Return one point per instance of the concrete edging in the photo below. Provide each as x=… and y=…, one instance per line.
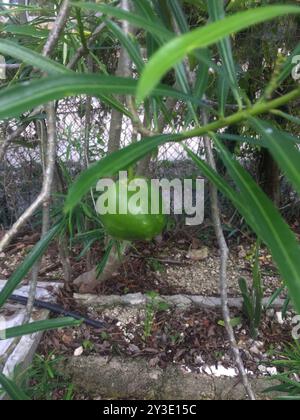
x=180, y=300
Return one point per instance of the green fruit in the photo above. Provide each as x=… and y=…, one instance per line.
x=138, y=223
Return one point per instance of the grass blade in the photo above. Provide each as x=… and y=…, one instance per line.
x=12, y=390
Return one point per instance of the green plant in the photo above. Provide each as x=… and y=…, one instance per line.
x=289, y=364
x=235, y=322
x=9, y=386
x=286, y=304
x=174, y=48
x=42, y=379
x=156, y=265
x=253, y=299
x=154, y=305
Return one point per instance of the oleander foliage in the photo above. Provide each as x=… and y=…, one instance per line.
x=177, y=37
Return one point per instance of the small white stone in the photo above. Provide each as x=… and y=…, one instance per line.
x=78, y=352
x=262, y=369
x=255, y=350
x=279, y=318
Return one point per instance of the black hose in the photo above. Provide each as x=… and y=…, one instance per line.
x=59, y=310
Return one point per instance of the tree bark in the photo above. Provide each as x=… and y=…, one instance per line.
x=269, y=176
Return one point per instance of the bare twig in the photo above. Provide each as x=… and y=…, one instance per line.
x=49, y=152
x=82, y=50
x=215, y=212
x=46, y=189
x=9, y=139
x=47, y=51
x=58, y=28
x=48, y=178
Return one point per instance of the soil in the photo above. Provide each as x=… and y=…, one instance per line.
x=192, y=338
x=162, y=266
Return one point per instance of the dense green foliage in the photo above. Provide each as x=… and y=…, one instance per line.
x=230, y=62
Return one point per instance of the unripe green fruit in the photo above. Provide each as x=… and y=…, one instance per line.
x=135, y=225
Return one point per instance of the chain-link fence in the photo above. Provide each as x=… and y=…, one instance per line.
x=21, y=170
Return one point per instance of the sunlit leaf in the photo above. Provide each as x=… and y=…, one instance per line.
x=175, y=50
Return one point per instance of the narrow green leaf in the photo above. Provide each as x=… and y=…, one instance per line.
x=101, y=266
x=134, y=19
x=223, y=93
x=21, y=98
x=31, y=57
x=203, y=74
x=288, y=117
x=275, y=296
x=131, y=47
x=34, y=327
x=15, y=8
x=216, y=11
x=288, y=66
x=248, y=304
x=179, y=15
x=175, y=50
x=112, y=164
x=262, y=216
x=268, y=224
x=28, y=263
x=284, y=152
x=26, y=30
x=12, y=390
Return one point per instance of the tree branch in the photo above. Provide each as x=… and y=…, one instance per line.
x=49, y=152
x=215, y=212
x=82, y=50
x=49, y=172
x=58, y=28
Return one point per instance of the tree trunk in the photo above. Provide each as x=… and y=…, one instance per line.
x=269, y=176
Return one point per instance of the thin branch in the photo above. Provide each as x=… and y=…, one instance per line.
x=216, y=217
x=50, y=45
x=58, y=28
x=49, y=152
x=124, y=70
x=48, y=178
x=82, y=50
x=9, y=139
